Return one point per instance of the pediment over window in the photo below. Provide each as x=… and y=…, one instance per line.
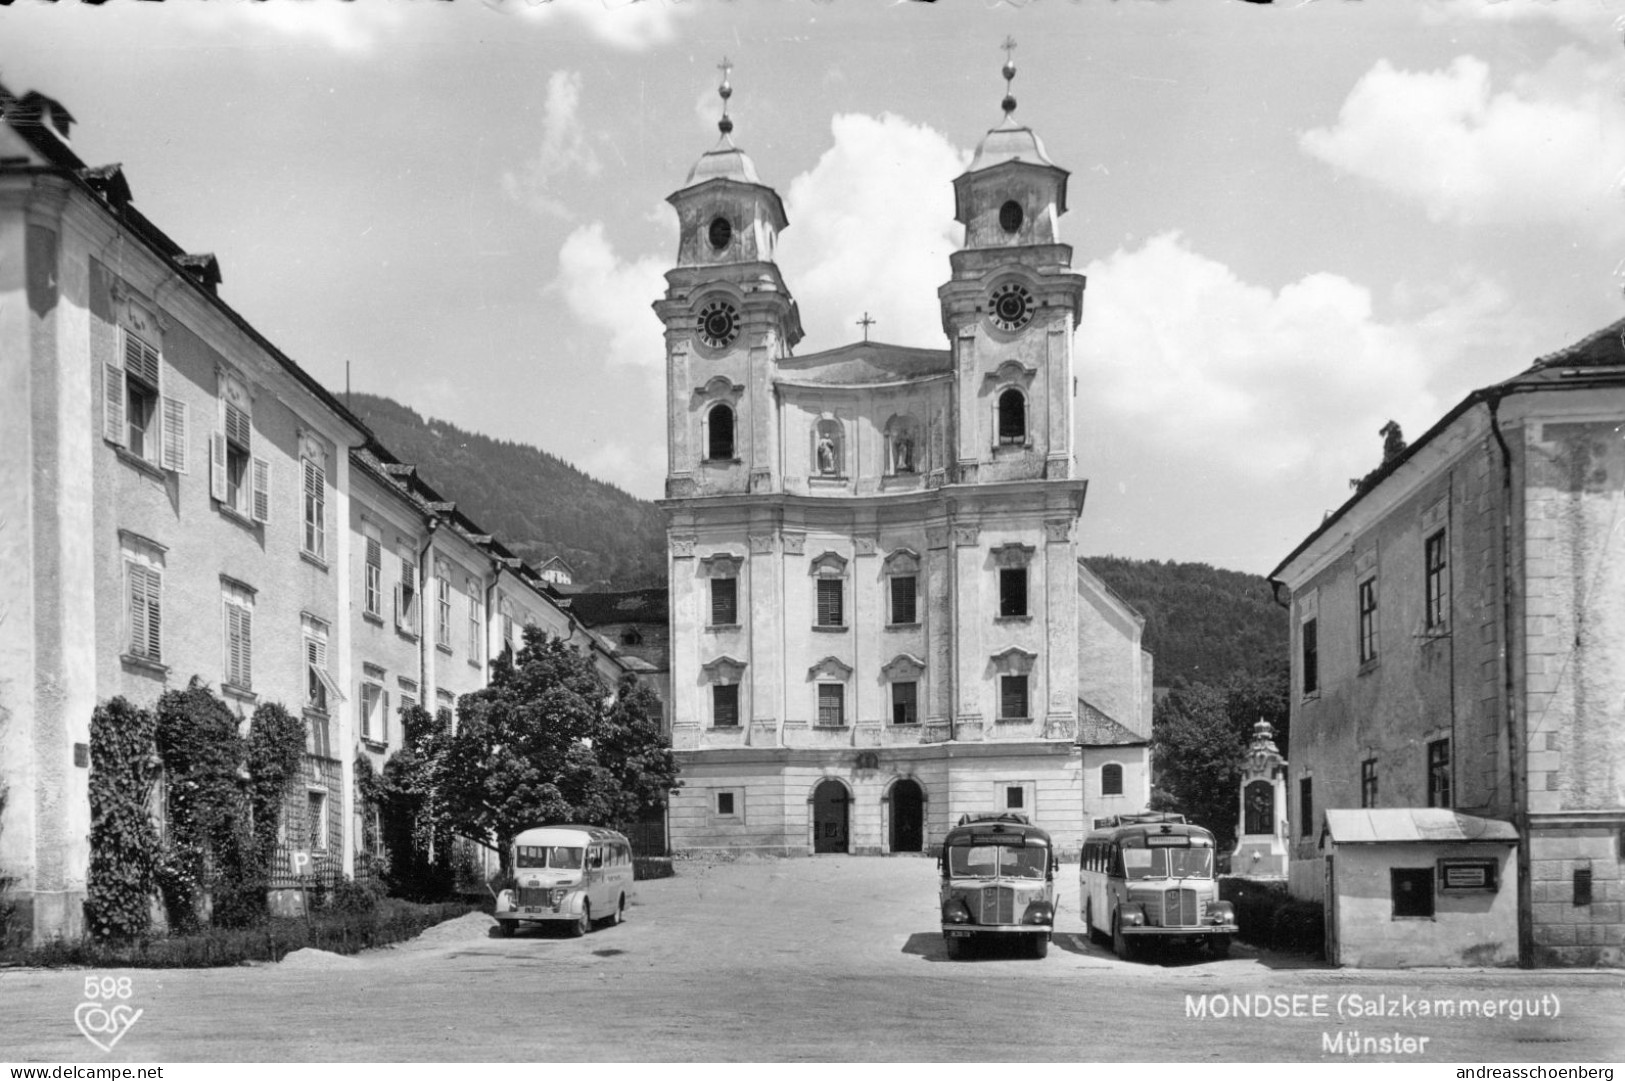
x=1013, y=555
x=903, y=561
x=1013, y=661
x=828, y=565
x=724, y=669
x=830, y=668
x=1011, y=371
x=721, y=565
x=904, y=666
x=719, y=386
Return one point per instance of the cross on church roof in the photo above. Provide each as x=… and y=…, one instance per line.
x=1009, y=47
x=866, y=323
x=725, y=91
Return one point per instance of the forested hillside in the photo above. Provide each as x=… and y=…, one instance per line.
x=1202, y=624
x=538, y=505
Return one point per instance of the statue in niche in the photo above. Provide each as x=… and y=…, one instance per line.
x=1260, y=808
x=827, y=459
x=903, y=451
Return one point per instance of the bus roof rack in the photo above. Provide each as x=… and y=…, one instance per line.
x=994, y=816
x=1137, y=818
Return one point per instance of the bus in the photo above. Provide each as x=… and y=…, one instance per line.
x=998, y=878
x=1149, y=878
x=574, y=875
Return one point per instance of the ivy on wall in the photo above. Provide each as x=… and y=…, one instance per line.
x=276, y=740
x=123, y=843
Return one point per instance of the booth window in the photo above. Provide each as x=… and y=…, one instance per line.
x=1412, y=892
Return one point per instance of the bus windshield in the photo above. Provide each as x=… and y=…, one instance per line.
x=986, y=861
x=1167, y=862
x=558, y=857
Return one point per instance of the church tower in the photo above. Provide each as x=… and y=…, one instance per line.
x=729, y=317
x=1010, y=308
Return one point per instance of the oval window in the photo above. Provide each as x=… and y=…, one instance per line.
x=720, y=233
x=1010, y=216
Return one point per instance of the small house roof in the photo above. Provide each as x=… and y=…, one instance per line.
x=1414, y=825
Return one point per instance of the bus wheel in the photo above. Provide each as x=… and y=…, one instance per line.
x=620, y=913
x=1218, y=947
x=1040, y=946
x=954, y=947
x=584, y=924
x=506, y=928
x=1122, y=945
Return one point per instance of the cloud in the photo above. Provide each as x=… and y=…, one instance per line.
x=1550, y=148
x=614, y=296
x=1585, y=17
x=632, y=25
x=564, y=149
x=343, y=27
x=871, y=227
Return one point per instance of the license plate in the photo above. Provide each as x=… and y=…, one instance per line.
x=533, y=908
x=959, y=934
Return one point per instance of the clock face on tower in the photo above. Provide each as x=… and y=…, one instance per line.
x=718, y=324
x=1011, y=306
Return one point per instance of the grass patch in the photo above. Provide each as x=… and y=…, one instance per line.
x=341, y=932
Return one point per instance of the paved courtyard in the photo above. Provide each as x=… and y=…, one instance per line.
x=832, y=957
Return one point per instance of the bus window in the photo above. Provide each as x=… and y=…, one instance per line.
x=972, y=860
x=1137, y=863
x=565, y=859
x=1024, y=862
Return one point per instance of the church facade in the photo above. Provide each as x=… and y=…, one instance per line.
x=879, y=620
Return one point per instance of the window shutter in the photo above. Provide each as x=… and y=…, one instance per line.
x=262, y=490
x=154, y=582
x=400, y=606
x=113, y=404
x=217, y=466
x=141, y=359
x=383, y=717
x=174, y=438
x=902, y=599
x=238, y=427
x=138, y=609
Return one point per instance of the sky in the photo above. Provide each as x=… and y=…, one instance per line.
x=1298, y=221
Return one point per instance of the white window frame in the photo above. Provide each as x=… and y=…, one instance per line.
x=143, y=598
x=476, y=623
x=372, y=575
x=237, y=603
x=322, y=690
x=442, y=611
x=164, y=438
x=313, y=485
x=374, y=705
x=250, y=494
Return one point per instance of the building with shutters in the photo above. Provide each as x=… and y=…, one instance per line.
x=180, y=499
x=879, y=620
x=1458, y=682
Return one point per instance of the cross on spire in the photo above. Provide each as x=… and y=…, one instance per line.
x=1009, y=47
x=725, y=91
x=866, y=322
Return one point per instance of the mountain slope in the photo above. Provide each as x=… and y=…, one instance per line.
x=539, y=505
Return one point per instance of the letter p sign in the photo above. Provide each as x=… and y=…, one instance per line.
x=300, y=861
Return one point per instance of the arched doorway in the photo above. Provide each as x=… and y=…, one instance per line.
x=830, y=814
x=907, y=816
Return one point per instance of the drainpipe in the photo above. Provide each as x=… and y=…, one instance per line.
x=1516, y=761
x=426, y=699
x=490, y=613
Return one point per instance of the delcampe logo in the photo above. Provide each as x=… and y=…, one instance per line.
x=102, y=1017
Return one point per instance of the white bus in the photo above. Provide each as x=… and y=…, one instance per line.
x=577, y=875
x=1149, y=877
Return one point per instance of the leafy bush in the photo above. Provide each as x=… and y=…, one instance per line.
x=1271, y=918
x=645, y=868
x=334, y=931
x=123, y=843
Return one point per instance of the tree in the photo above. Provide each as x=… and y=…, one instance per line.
x=544, y=743
x=1200, y=735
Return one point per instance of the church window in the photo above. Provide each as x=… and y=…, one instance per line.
x=1439, y=773
x=1368, y=620
x=725, y=705
x=1311, y=656
x=1368, y=783
x=1012, y=592
x=720, y=232
x=1012, y=418
x=1013, y=698
x=903, y=599
x=831, y=704
x=829, y=603
x=905, y=702
x=719, y=441
x=1010, y=216
x=1111, y=780
x=724, y=602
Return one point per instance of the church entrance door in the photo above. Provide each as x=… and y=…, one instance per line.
x=907, y=817
x=830, y=803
